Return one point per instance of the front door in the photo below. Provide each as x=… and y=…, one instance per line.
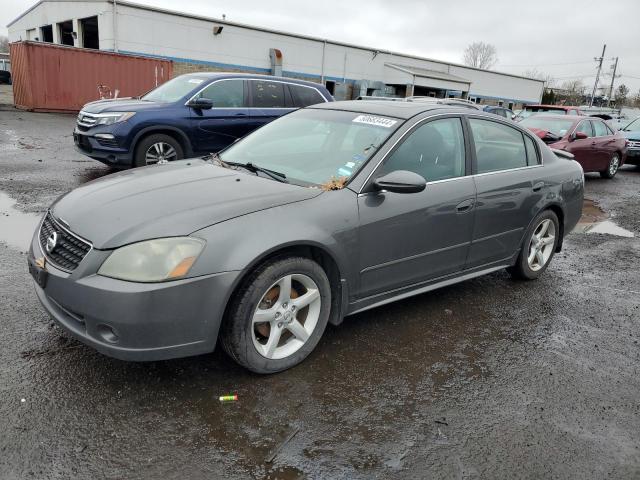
x=584, y=149
x=605, y=144
x=509, y=185
x=214, y=129
x=411, y=238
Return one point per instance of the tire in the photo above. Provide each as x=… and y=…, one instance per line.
x=262, y=308
x=163, y=147
x=612, y=167
x=530, y=268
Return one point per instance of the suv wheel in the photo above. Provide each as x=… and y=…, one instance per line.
x=157, y=148
x=278, y=316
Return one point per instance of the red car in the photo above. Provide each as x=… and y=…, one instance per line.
x=595, y=146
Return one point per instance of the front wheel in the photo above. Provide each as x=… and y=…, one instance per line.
x=538, y=247
x=157, y=148
x=612, y=168
x=279, y=315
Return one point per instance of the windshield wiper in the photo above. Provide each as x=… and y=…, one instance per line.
x=280, y=177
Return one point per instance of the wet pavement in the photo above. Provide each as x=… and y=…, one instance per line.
x=491, y=378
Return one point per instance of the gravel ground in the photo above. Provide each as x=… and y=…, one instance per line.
x=490, y=378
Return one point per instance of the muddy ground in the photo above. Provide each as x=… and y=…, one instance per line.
x=489, y=379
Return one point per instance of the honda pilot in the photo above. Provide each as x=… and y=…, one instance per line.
x=190, y=115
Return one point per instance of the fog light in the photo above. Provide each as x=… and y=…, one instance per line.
x=107, y=333
x=106, y=136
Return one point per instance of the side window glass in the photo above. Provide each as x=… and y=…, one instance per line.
x=498, y=146
x=600, y=129
x=305, y=96
x=585, y=127
x=532, y=153
x=434, y=150
x=572, y=112
x=225, y=94
x=267, y=94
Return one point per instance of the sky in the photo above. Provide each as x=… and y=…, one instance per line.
x=559, y=38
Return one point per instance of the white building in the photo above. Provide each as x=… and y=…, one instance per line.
x=200, y=43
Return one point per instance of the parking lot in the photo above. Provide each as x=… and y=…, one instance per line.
x=490, y=378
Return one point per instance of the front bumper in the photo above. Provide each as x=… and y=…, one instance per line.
x=88, y=145
x=633, y=156
x=137, y=321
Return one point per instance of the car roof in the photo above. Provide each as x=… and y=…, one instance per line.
x=573, y=118
x=402, y=110
x=553, y=107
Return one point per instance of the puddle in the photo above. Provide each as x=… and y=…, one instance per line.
x=596, y=220
x=16, y=227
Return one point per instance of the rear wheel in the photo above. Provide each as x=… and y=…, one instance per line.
x=612, y=168
x=538, y=247
x=157, y=148
x=279, y=315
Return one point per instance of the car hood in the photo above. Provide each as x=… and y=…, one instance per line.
x=120, y=105
x=634, y=135
x=168, y=200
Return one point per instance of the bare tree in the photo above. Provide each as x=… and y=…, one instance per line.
x=480, y=55
x=4, y=44
x=621, y=95
x=549, y=81
x=574, y=91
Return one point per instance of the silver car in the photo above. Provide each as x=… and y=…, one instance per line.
x=325, y=212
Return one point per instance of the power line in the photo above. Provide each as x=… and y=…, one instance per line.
x=546, y=64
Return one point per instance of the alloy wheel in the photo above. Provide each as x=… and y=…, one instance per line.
x=614, y=164
x=286, y=316
x=160, y=152
x=541, y=245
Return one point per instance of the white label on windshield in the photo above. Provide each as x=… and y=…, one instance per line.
x=197, y=81
x=377, y=121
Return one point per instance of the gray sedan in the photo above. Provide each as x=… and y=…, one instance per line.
x=325, y=212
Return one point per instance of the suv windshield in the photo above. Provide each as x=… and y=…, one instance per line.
x=558, y=126
x=173, y=90
x=314, y=146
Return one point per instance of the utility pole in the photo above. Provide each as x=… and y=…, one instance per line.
x=613, y=79
x=595, y=85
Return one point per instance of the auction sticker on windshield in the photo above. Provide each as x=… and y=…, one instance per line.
x=377, y=121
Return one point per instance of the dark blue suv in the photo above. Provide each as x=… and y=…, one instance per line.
x=190, y=115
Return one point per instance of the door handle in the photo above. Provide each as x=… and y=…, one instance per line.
x=240, y=114
x=465, y=206
x=538, y=186
x=593, y=143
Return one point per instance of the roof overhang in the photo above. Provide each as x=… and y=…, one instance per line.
x=395, y=74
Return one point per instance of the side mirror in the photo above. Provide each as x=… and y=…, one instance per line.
x=400, y=181
x=579, y=136
x=201, y=103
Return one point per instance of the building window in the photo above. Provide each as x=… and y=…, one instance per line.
x=89, y=32
x=65, y=33
x=46, y=33
x=511, y=105
x=500, y=103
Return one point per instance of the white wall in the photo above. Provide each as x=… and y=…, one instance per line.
x=168, y=35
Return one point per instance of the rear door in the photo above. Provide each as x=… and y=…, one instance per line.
x=214, y=129
x=584, y=149
x=268, y=100
x=509, y=184
x=406, y=239
x=605, y=143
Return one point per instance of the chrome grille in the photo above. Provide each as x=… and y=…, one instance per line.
x=86, y=120
x=634, y=143
x=68, y=249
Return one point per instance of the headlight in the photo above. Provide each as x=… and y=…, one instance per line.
x=111, y=118
x=153, y=260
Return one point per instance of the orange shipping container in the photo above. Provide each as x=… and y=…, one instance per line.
x=56, y=78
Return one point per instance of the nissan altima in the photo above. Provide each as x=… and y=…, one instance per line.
x=328, y=211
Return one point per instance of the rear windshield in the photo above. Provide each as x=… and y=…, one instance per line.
x=558, y=126
x=175, y=89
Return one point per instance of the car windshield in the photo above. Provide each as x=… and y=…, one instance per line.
x=314, y=146
x=173, y=90
x=558, y=126
x=633, y=126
